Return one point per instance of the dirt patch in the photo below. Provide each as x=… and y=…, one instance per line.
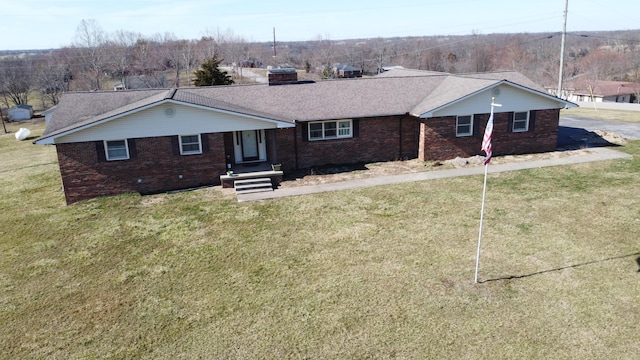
x=610, y=137
x=329, y=174
x=335, y=173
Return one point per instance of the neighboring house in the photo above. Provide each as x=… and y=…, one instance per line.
x=389, y=68
x=151, y=141
x=599, y=91
x=20, y=112
x=346, y=71
x=141, y=82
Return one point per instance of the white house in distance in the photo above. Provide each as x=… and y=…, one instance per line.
x=599, y=91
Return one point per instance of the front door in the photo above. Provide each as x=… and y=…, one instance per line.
x=249, y=146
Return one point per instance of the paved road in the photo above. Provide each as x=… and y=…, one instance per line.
x=572, y=128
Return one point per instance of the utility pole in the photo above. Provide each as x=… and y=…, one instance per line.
x=274, y=43
x=564, y=35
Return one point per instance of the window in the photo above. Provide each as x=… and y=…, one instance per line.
x=116, y=149
x=520, y=121
x=464, y=125
x=322, y=130
x=190, y=144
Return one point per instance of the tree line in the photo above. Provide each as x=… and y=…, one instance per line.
x=97, y=60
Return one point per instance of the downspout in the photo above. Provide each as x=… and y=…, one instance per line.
x=295, y=143
x=400, y=136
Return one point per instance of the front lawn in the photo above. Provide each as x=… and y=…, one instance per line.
x=601, y=114
x=383, y=272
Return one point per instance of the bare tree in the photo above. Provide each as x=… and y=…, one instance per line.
x=16, y=79
x=53, y=79
x=604, y=65
x=89, y=41
x=188, y=58
x=121, y=54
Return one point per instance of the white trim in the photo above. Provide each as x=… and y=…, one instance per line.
x=51, y=139
x=513, y=122
x=470, y=132
x=430, y=113
x=190, y=152
x=337, y=129
x=106, y=150
x=281, y=123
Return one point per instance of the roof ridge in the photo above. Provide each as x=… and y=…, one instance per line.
x=170, y=94
x=215, y=103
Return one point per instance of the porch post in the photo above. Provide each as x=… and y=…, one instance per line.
x=273, y=150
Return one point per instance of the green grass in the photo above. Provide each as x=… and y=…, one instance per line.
x=383, y=272
x=603, y=114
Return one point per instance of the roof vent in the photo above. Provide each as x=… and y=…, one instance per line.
x=169, y=111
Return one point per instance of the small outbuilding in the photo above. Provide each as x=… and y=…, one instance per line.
x=20, y=112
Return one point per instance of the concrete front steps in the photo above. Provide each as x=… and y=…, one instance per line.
x=248, y=186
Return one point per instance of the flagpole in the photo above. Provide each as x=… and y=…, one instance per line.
x=484, y=192
x=488, y=149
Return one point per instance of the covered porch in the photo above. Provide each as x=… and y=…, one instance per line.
x=251, y=154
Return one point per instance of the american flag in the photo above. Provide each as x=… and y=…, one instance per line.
x=486, y=140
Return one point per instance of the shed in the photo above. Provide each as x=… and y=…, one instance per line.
x=20, y=112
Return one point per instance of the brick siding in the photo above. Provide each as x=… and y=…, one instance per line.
x=377, y=139
x=155, y=163
x=440, y=141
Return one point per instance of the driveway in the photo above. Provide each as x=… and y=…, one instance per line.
x=573, y=130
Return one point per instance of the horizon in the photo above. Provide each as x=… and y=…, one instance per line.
x=571, y=33
x=38, y=21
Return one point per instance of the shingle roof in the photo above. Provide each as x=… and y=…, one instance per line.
x=402, y=72
x=603, y=88
x=333, y=99
x=451, y=89
x=385, y=95
x=83, y=108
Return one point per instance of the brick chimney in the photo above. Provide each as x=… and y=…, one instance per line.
x=282, y=76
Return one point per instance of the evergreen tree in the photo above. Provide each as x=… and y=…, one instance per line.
x=209, y=74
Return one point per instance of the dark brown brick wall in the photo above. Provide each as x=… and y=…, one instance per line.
x=378, y=139
x=286, y=149
x=156, y=164
x=440, y=141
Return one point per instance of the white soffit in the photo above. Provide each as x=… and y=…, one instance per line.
x=511, y=98
x=168, y=119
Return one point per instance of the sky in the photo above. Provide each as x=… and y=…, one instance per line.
x=46, y=24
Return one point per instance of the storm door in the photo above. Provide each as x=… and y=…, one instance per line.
x=249, y=146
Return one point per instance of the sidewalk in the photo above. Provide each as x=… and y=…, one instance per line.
x=594, y=154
